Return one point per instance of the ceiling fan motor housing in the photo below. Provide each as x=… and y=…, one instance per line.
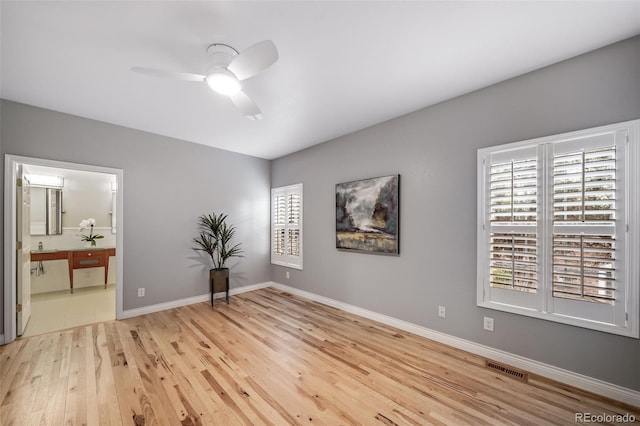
x=220, y=56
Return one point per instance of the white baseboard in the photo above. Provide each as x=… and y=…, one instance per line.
x=580, y=381
x=1, y=339
x=130, y=313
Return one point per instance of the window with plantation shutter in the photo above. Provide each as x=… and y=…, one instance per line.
x=513, y=215
x=286, y=226
x=279, y=220
x=584, y=206
x=558, y=227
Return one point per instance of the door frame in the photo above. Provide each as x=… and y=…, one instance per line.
x=23, y=254
x=10, y=232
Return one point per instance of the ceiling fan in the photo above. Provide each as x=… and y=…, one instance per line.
x=227, y=69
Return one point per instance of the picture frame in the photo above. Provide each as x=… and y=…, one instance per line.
x=368, y=215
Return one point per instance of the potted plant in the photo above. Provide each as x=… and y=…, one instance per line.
x=91, y=238
x=215, y=240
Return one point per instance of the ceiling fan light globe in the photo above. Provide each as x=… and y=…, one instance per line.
x=223, y=82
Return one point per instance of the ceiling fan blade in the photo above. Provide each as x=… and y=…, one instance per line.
x=169, y=74
x=254, y=59
x=246, y=106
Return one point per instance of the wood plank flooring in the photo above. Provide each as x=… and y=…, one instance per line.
x=267, y=358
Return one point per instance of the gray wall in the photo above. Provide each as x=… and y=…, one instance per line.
x=434, y=150
x=168, y=183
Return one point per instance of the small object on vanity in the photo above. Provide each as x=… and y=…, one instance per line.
x=91, y=238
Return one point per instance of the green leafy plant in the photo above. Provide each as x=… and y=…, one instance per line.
x=215, y=239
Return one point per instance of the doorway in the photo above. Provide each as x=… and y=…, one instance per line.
x=68, y=288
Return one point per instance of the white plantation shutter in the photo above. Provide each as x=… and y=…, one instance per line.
x=589, y=228
x=583, y=267
x=286, y=228
x=513, y=189
x=514, y=261
x=512, y=197
x=279, y=221
x=556, y=228
x=584, y=186
x=293, y=247
x=513, y=215
x=294, y=214
x=584, y=207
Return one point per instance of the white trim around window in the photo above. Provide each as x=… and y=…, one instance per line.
x=558, y=228
x=286, y=226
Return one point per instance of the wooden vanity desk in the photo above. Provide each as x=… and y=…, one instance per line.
x=78, y=259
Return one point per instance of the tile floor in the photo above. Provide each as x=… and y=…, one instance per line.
x=61, y=310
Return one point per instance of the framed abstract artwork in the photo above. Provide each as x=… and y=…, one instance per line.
x=367, y=215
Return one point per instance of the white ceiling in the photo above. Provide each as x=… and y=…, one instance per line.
x=344, y=65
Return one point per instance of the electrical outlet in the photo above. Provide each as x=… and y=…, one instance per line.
x=287, y=274
x=441, y=311
x=488, y=323
x=141, y=292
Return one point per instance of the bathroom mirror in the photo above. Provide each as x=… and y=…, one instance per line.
x=46, y=211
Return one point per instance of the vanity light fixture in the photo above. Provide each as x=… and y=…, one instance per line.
x=45, y=181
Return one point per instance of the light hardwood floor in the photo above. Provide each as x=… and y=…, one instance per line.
x=267, y=358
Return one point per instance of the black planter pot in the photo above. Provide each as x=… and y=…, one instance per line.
x=219, y=281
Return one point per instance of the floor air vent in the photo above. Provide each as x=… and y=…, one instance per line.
x=505, y=369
